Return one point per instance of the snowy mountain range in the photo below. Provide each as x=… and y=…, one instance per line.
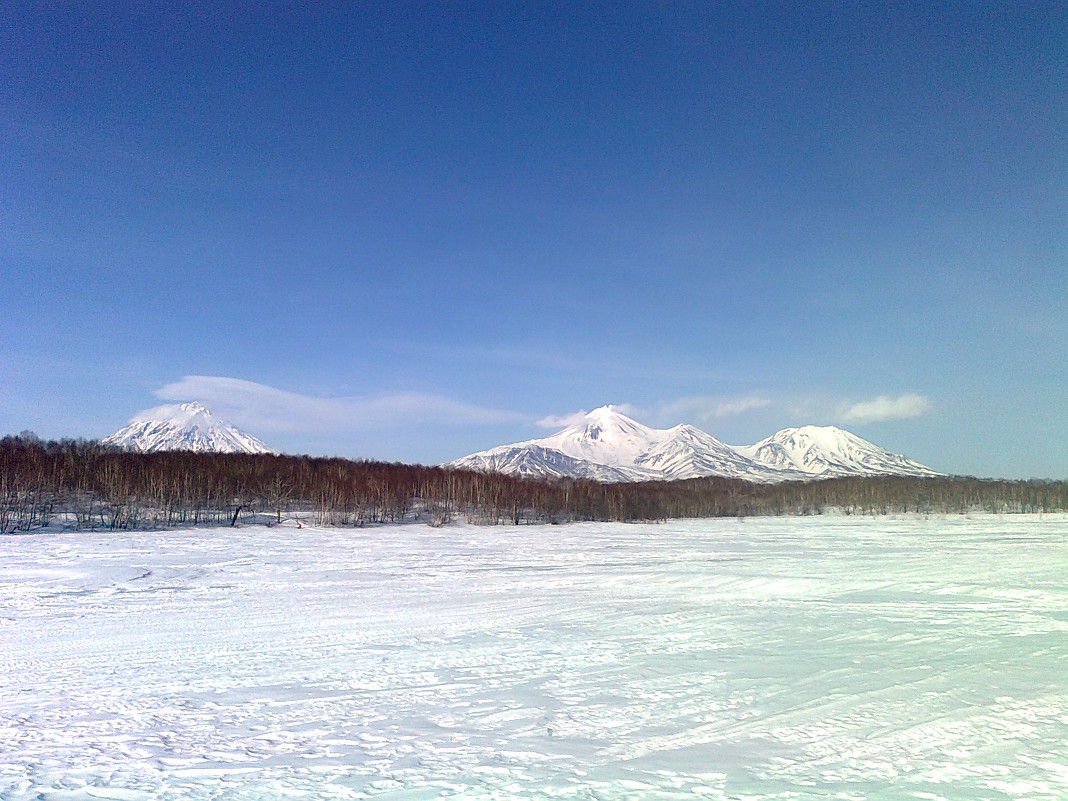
x=606, y=445
x=609, y=446
x=183, y=427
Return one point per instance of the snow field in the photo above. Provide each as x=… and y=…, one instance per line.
x=793, y=658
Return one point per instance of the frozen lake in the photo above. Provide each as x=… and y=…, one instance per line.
x=832, y=657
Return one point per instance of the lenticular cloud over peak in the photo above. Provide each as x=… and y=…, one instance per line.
x=183, y=427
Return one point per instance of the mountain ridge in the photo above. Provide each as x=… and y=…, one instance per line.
x=606, y=445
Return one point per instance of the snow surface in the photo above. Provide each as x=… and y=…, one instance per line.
x=609, y=446
x=183, y=427
x=860, y=658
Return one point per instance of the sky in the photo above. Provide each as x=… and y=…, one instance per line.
x=412, y=231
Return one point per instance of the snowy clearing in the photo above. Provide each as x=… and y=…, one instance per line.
x=768, y=658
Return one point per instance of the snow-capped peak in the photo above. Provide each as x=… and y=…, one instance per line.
x=605, y=436
x=183, y=427
x=830, y=451
x=177, y=413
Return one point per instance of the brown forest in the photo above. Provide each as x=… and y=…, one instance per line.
x=85, y=485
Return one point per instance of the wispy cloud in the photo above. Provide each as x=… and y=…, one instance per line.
x=562, y=420
x=630, y=410
x=271, y=409
x=555, y=421
x=886, y=408
x=711, y=408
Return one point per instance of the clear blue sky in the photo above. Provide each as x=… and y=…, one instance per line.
x=414, y=233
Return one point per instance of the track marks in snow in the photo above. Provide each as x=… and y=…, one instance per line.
x=713, y=659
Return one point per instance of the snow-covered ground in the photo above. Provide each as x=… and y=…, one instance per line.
x=785, y=658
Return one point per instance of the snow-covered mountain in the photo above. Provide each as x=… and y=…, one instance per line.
x=825, y=451
x=609, y=446
x=183, y=427
x=688, y=452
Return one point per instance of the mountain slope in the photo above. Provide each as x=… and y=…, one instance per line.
x=828, y=451
x=689, y=452
x=183, y=427
x=529, y=459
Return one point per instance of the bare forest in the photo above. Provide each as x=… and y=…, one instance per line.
x=83, y=485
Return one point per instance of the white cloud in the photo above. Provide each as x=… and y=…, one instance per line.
x=557, y=421
x=886, y=408
x=630, y=410
x=711, y=408
x=267, y=408
x=562, y=420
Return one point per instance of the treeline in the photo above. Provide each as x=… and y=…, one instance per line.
x=85, y=485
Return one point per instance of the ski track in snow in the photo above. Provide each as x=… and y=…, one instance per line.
x=759, y=659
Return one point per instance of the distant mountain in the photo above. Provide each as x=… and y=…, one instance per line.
x=183, y=427
x=609, y=446
x=826, y=451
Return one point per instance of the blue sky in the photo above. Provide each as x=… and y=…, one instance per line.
x=418, y=232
